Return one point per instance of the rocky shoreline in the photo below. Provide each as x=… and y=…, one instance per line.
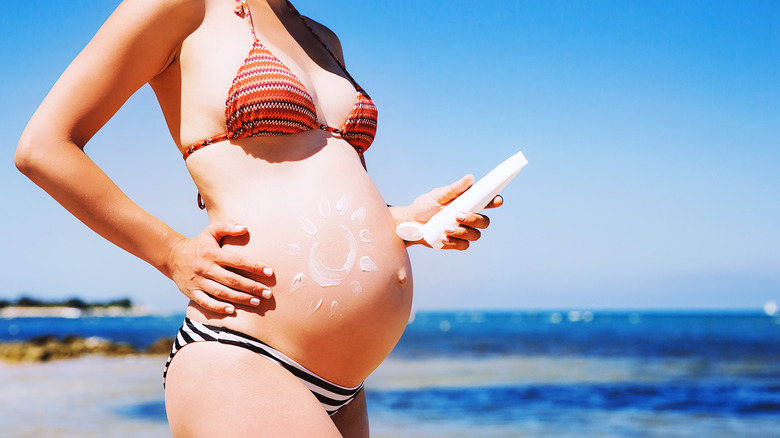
x=46, y=348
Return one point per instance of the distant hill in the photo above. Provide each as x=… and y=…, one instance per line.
x=69, y=308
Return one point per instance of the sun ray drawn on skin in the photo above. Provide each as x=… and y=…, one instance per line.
x=325, y=207
x=297, y=282
x=359, y=216
x=368, y=265
x=367, y=236
x=342, y=205
x=295, y=250
x=323, y=274
x=308, y=226
x=314, y=307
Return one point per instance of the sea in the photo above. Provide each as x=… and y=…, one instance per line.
x=459, y=374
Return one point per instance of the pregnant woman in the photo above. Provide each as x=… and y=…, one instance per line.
x=299, y=287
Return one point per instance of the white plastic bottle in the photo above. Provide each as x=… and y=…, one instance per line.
x=477, y=197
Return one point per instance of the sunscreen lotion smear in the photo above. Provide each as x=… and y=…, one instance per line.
x=474, y=200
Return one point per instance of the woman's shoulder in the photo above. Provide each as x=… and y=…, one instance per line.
x=172, y=12
x=157, y=25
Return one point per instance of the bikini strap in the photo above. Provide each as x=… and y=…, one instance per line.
x=332, y=54
x=242, y=10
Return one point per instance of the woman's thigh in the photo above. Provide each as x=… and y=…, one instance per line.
x=352, y=419
x=218, y=390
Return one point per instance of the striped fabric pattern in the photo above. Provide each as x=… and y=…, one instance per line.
x=360, y=128
x=332, y=396
x=266, y=99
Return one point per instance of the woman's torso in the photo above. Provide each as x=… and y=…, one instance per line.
x=342, y=279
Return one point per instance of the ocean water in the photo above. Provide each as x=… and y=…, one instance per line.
x=508, y=374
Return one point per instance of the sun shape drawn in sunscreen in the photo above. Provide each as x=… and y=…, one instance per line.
x=320, y=272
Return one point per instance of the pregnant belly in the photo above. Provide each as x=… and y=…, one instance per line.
x=342, y=284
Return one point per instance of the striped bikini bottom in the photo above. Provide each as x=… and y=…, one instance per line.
x=332, y=396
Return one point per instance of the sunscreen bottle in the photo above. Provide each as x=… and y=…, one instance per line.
x=477, y=197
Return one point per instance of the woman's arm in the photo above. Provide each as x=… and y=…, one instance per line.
x=136, y=43
x=427, y=205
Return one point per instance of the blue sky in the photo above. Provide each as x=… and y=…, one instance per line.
x=652, y=130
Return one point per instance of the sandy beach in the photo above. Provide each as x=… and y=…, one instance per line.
x=83, y=397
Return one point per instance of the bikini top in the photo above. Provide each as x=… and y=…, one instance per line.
x=267, y=99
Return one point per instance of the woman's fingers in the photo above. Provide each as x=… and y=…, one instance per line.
x=219, y=230
x=443, y=195
x=463, y=233
x=238, y=283
x=234, y=266
x=210, y=303
x=455, y=243
x=473, y=220
x=458, y=236
x=498, y=201
x=217, y=289
x=217, y=297
x=237, y=261
x=215, y=278
x=225, y=281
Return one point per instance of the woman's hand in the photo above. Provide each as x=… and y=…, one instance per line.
x=207, y=274
x=426, y=206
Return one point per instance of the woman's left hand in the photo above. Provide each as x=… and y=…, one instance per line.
x=426, y=206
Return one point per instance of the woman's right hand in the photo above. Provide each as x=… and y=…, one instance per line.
x=209, y=275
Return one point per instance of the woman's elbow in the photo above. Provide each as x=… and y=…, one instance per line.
x=29, y=156
x=24, y=158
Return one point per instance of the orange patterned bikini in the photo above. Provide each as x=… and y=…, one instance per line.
x=267, y=99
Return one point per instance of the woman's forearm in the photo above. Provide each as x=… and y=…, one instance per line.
x=201, y=269
x=64, y=171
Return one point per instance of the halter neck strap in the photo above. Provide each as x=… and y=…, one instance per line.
x=324, y=44
x=242, y=10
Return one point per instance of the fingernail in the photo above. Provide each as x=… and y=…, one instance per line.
x=255, y=301
x=239, y=228
x=230, y=309
x=266, y=294
x=449, y=229
x=460, y=216
x=445, y=239
x=268, y=272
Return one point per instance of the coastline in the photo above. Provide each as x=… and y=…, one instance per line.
x=71, y=312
